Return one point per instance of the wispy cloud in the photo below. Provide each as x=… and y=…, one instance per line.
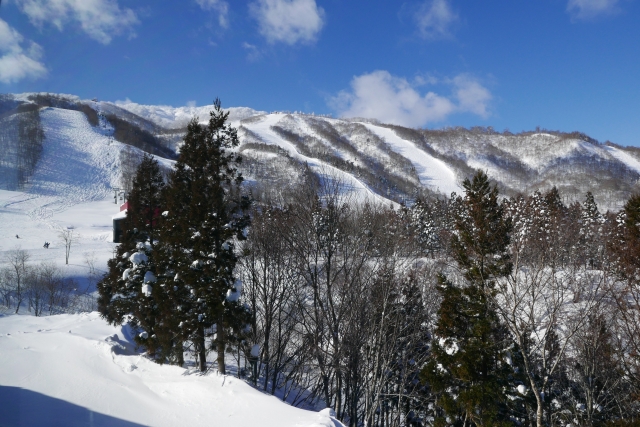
x=288, y=21
x=391, y=99
x=435, y=19
x=100, y=19
x=589, y=9
x=19, y=58
x=253, y=53
x=220, y=7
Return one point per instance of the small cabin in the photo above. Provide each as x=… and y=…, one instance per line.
x=117, y=222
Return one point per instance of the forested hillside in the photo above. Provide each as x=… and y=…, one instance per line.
x=376, y=160
x=478, y=309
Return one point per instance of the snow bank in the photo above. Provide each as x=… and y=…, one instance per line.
x=77, y=370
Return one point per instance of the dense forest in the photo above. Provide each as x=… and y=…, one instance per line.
x=472, y=310
x=21, y=138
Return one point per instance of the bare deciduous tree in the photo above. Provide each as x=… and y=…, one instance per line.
x=17, y=273
x=68, y=236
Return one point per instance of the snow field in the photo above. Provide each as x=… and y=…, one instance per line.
x=630, y=161
x=81, y=360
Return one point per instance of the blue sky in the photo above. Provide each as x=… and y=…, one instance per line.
x=558, y=64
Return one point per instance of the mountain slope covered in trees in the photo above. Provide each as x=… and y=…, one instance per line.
x=372, y=159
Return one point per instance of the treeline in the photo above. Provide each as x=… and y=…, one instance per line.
x=467, y=311
x=56, y=101
x=130, y=134
x=41, y=288
x=21, y=138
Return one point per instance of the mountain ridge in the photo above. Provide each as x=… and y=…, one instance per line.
x=384, y=161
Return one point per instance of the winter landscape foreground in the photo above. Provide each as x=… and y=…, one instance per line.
x=75, y=370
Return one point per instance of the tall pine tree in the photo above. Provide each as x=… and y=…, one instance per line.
x=469, y=371
x=205, y=215
x=127, y=292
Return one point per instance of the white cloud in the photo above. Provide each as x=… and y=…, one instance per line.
x=390, y=99
x=100, y=19
x=435, y=19
x=16, y=61
x=288, y=21
x=253, y=53
x=219, y=6
x=472, y=97
x=587, y=9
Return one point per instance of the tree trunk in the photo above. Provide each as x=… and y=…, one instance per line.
x=202, y=354
x=220, y=341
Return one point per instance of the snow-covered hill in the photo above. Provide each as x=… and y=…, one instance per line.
x=398, y=163
x=70, y=370
x=178, y=117
x=373, y=161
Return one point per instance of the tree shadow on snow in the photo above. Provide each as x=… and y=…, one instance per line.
x=26, y=408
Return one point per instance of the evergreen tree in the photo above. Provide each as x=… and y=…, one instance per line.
x=205, y=215
x=127, y=292
x=470, y=371
x=591, y=242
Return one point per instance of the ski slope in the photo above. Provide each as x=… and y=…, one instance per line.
x=630, y=161
x=433, y=173
x=71, y=188
x=352, y=187
x=76, y=370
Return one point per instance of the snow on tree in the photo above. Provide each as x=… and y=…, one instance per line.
x=469, y=371
x=205, y=217
x=126, y=293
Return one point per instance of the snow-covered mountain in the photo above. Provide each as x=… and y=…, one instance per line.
x=371, y=159
x=397, y=163
x=61, y=176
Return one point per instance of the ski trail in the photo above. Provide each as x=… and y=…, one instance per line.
x=351, y=184
x=79, y=164
x=433, y=172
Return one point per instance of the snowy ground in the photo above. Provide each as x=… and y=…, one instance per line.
x=75, y=370
x=70, y=189
x=91, y=222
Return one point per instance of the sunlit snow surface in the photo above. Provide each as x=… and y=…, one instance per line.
x=625, y=158
x=433, y=173
x=76, y=370
x=350, y=184
x=70, y=189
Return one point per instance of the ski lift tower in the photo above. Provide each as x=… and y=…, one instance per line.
x=117, y=219
x=119, y=193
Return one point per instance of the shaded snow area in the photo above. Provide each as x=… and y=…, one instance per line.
x=351, y=186
x=433, y=173
x=75, y=370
